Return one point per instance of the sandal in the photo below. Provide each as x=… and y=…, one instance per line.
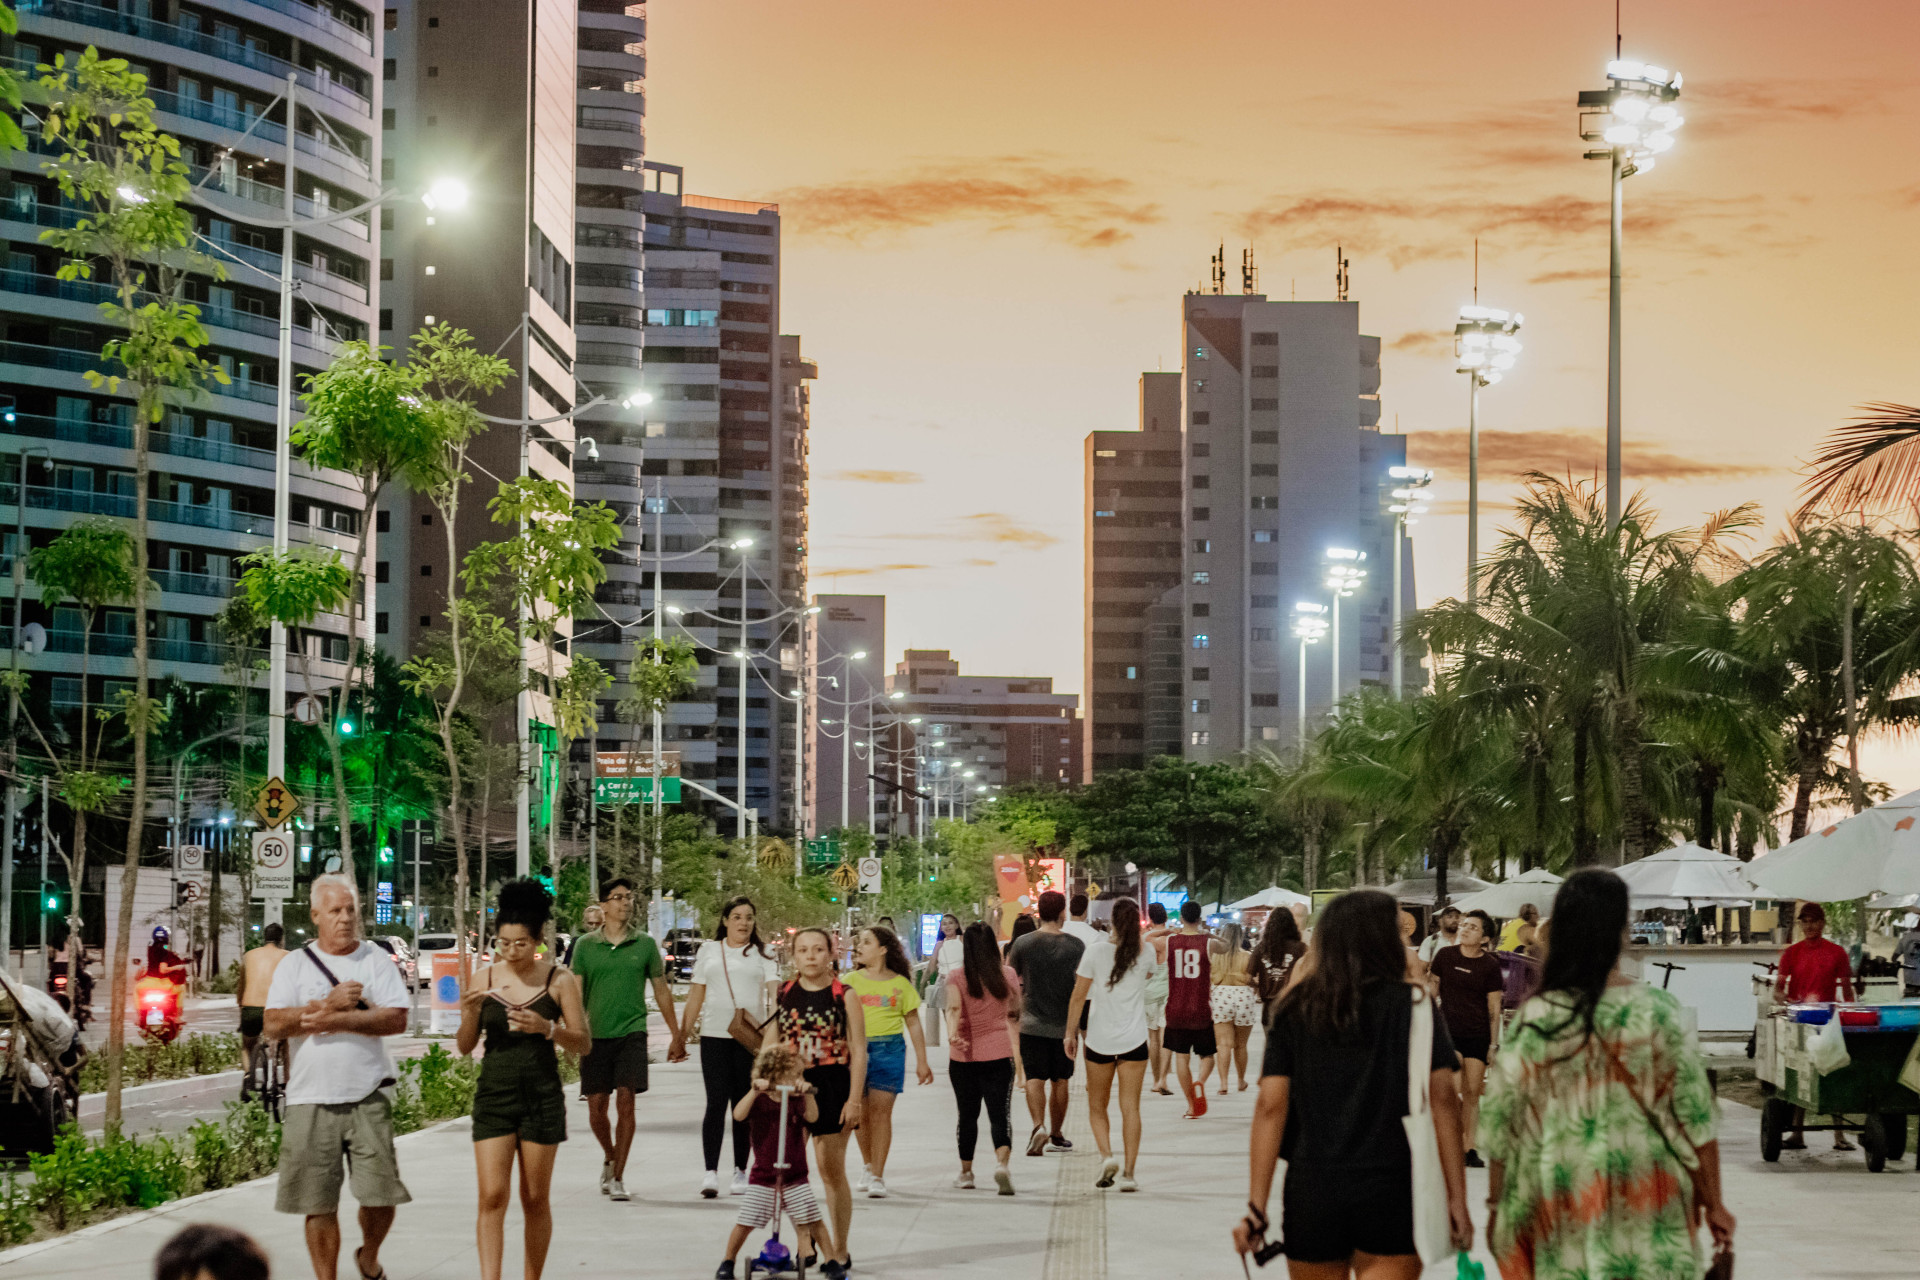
x=1793, y=1144
x=1841, y=1144
x=362, y=1271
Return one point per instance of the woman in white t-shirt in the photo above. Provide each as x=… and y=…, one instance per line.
x=731, y=972
x=947, y=960
x=1117, y=967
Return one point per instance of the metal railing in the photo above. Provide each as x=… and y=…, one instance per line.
x=122, y=505
x=116, y=435
x=192, y=584
x=93, y=15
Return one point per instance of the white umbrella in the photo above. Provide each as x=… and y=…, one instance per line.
x=1685, y=875
x=1421, y=888
x=1506, y=898
x=1874, y=851
x=1272, y=897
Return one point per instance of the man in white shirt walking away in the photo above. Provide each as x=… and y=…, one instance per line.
x=332, y=1001
x=1076, y=925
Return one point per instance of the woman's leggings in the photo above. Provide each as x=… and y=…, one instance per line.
x=727, y=1068
x=990, y=1082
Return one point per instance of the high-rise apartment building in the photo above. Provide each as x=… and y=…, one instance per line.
x=841, y=666
x=218, y=72
x=1284, y=461
x=1134, y=511
x=975, y=735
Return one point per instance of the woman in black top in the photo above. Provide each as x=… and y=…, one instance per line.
x=1274, y=958
x=524, y=1006
x=1333, y=1095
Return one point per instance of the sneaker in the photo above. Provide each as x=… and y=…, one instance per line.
x=606, y=1175
x=725, y=1271
x=709, y=1185
x=865, y=1179
x=1037, y=1141
x=1108, y=1172
x=739, y=1187
x=1127, y=1183
x=617, y=1190
x=1003, y=1179
x=1060, y=1142
x=965, y=1181
x=1473, y=1160
x=876, y=1189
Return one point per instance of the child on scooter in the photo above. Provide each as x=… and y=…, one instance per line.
x=776, y=1067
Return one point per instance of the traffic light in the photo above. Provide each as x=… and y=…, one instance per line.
x=346, y=728
x=50, y=895
x=386, y=855
x=546, y=882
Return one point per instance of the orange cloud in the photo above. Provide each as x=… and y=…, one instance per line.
x=996, y=526
x=1424, y=342
x=868, y=570
x=1575, y=450
x=879, y=477
x=1008, y=193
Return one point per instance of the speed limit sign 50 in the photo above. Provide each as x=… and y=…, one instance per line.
x=272, y=864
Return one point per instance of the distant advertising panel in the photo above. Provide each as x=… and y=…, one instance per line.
x=1049, y=873
x=929, y=932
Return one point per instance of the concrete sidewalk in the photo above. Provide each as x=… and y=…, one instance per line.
x=1812, y=1215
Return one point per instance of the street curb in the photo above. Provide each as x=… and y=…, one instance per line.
x=23, y=1251
x=181, y=1084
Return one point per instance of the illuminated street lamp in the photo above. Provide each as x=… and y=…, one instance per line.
x=1635, y=118
x=1409, y=489
x=1344, y=576
x=1485, y=348
x=1309, y=624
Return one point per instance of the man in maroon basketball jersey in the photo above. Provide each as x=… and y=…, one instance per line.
x=1190, y=1007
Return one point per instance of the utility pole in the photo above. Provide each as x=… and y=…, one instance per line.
x=283, y=458
x=523, y=700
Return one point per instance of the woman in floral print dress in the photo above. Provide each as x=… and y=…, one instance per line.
x=1599, y=1124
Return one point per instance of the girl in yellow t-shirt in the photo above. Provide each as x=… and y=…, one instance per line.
x=883, y=980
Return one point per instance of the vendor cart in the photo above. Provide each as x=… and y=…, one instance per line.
x=1868, y=1087
x=40, y=1059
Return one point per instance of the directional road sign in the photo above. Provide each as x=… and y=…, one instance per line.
x=634, y=790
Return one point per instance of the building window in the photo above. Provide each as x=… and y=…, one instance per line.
x=1201, y=514
x=1266, y=371
x=1266, y=339
x=1201, y=418
x=386, y=117
x=386, y=170
x=1133, y=673
x=1201, y=577
x=386, y=268
x=1265, y=602
x=1201, y=450
x=1200, y=353
x=1269, y=733
x=1203, y=482
x=388, y=71
x=386, y=318
x=1264, y=404
x=1200, y=676
x=1264, y=469
x=427, y=519
x=1263, y=569
x=1106, y=453
x=1259, y=503
x=380, y=568
x=426, y=571
x=380, y=624
x=1262, y=635
x=433, y=73
x=426, y=621
x=1201, y=706
x=1200, y=640
x=381, y=521
x=1200, y=385
x=1200, y=738
x=1266, y=700
x=1202, y=546
x=1202, y=610
x=392, y=23
x=1264, y=535
x=1103, y=515
x=1265, y=437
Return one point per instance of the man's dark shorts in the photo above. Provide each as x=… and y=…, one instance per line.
x=1198, y=1040
x=253, y=1019
x=1045, y=1058
x=619, y=1063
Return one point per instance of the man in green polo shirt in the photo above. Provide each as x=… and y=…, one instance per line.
x=614, y=965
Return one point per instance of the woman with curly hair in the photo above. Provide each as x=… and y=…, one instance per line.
x=882, y=980
x=523, y=1004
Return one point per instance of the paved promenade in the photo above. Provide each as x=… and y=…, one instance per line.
x=1813, y=1217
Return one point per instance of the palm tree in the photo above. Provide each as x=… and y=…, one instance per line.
x=1872, y=463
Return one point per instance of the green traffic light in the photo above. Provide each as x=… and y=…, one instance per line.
x=346, y=728
x=53, y=902
x=386, y=855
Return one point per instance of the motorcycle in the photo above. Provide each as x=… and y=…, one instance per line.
x=65, y=990
x=157, y=1006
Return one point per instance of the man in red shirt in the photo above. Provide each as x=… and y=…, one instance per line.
x=1190, y=1007
x=1813, y=971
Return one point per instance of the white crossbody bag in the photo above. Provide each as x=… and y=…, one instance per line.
x=1432, y=1225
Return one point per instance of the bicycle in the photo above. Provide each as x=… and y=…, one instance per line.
x=266, y=1078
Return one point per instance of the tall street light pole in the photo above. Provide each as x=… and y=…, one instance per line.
x=1635, y=118
x=1344, y=576
x=1485, y=348
x=1411, y=484
x=1309, y=624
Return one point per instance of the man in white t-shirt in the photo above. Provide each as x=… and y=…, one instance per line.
x=1447, y=935
x=1077, y=921
x=333, y=1001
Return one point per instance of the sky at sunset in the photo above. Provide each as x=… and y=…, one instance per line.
x=991, y=210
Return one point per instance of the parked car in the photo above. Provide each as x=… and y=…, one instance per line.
x=402, y=956
x=682, y=946
x=429, y=943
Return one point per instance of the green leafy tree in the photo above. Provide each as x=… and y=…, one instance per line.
x=454, y=377
x=662, y=671
x=1199, y=821
x=113, y=164
x=11, y=136
x=90, y=563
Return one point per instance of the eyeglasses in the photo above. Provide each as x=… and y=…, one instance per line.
x=619, y=897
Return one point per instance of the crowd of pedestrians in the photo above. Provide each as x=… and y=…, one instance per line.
x=1388, y=1069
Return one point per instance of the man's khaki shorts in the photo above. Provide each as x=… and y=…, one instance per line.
x=314, y=1140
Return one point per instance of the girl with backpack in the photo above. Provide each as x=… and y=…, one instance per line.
x=828, y=1032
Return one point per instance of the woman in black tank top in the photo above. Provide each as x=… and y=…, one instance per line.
x=524, y=1005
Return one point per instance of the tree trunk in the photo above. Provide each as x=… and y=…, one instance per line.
x=1442, y=854
x=1534, y=852
x=147, y=410
x=1634, y=819
x=1707, y=786
x=1585, y=851
x=1855, y=792
x=1813, y=752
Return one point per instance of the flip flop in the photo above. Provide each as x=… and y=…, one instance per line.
x=363, y=1274
x=1793, y=1144
x=1844, y=1145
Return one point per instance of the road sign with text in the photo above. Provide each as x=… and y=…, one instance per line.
x=272, y=864
x=635, y=790
x=635, y=764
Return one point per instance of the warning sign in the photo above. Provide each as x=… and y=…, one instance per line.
x=277, y=803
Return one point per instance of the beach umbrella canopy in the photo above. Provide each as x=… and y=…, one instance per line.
x=1875, y=851
x=1506, y=898
x=1272, y=897
x=1420, y=888
x=1687, y=875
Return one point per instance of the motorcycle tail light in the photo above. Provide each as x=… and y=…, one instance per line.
x=153, y=997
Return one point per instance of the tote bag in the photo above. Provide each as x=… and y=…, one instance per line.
x=1432, y=1225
